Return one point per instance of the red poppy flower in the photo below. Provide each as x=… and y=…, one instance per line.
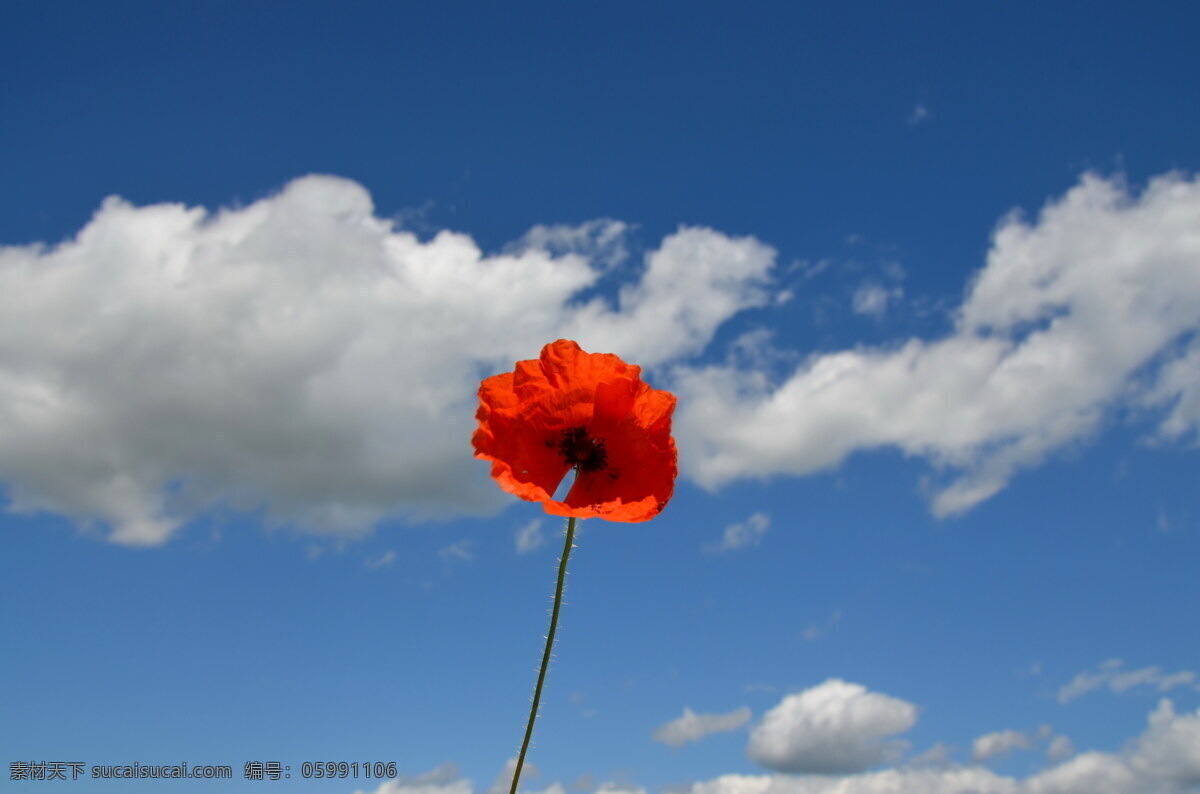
x=590, y=412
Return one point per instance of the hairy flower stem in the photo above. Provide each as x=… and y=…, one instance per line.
x=537, y=692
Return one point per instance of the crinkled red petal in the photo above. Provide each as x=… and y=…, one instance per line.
x=523, y=414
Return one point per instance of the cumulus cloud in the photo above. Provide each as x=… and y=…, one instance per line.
x=991, y=745
x=1073, y=314
x=1169, y=751
x=1165, y=759
x=692, y=727
x=1111, y=674
x=529, y=536
x=833, y=727
x=303, y=359
x=973, y=780
x=741, y=535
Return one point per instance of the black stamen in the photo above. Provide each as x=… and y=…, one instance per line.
x=582, y=451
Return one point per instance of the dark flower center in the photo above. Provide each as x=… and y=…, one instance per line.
x=582, y=451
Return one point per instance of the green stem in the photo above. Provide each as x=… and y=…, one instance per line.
x=537, y=693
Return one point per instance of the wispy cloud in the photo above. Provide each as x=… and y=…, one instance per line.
x=872, y=299
x=382, y=561
x=1061, y=747
x=815, y=632
x=991, y=745
x=1112, y=676
x=741, y=535
x=460, y=550
x=529, y=536
x=692, y=727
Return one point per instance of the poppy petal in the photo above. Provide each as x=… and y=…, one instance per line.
x=586, y=411
x=522, y=463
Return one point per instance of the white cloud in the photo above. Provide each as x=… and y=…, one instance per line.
x=459, y=550
x=302, y=358
x=1068, y=314
x=973, y=780
x=601, y=241
x=1178, y=387
x=692, y=727
x=585, y=782
x=872, y=299
x=382, y=561
x=1165, y=759
x=445, y=779
x=441, y=780
x=991, y=745
x=1089, y=773
x=814, y=632
x=833, y=727
x=936, y=756
x=695, y=281
x=740, y=535
x=754, y=349
x=1060, y=747
x=503, y=780
x=1111, y=675
x=919, y=114
x=1169, y=751
x=529, y=536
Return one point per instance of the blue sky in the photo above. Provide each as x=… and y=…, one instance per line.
x=925, y=279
